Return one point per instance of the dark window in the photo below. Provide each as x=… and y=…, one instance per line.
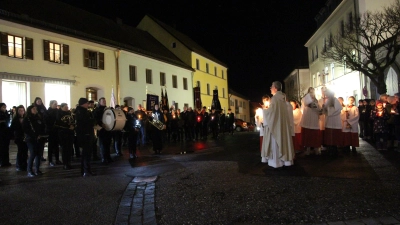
x=149, y=79
x=215, y=71
x=174, y=81
x=223, y=92
x=208, y=89
x=132, y=73
x=92, y=59
x=223, y=76
x=207, y=71
x=162, y=79
x=173, y=44
x=350, y=21
x=197, y=64
x=185, y=85
x=342, y=28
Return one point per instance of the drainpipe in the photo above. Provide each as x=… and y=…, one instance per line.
x=117, y=53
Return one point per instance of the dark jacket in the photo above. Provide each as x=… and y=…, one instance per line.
x=50, y=119
x=84, y=122
x=17, y=129
x=34, y=127
x=64, y=121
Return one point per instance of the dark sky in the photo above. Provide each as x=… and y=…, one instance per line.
x=260, y=41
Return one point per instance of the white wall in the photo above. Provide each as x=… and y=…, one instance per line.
x=137, y=89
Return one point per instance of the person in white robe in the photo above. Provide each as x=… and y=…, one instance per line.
x=259, y=117
x=310, y=129
x=350, y=125
x=333, y=124
x=321, y=102
x=277, y=142
x=297, y=114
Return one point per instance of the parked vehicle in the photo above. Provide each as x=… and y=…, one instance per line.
x=240, y=125
x=251, y=126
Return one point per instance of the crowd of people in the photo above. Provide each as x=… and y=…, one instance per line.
x=80, y=132
x=327, y=124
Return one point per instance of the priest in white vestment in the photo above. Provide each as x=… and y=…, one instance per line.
x=277, y=142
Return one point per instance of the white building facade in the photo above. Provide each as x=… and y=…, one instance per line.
x=336, y=76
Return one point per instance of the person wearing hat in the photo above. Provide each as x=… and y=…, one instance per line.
x=85, y=134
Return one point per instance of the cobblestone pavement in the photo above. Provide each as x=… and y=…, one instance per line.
x=143, y=192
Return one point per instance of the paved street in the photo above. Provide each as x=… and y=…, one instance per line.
x=216, y=182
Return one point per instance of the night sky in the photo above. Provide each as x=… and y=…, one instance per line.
x=260, y=41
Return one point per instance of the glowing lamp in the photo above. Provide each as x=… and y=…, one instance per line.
x=198, y=118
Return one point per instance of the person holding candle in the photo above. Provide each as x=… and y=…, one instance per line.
x=297, y=114
x=321, y=102
x=350, y=125
x=259, y=118
x=311, y=135
x=379, y=115
x=362, y=109
x=140, y=113
x=174, y=126
x=391, y=110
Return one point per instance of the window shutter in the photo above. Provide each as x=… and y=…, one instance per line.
x=4, y=44
x=46, y=50
x=101, y=60
x=28, y=48
x=65, y=53
x=85, y=58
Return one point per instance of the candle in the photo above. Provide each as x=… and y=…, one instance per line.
x=380, y=113
x=384, y=104
x=198, y=119
x=174, y=116
x=212, y=118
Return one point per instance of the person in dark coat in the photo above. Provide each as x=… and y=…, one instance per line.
x=156, y=133
x=230, y=120
x=103, y=135
x=65, y=124
x=41, y=109
x=132, y=126
x=214, y=120
x=35, y=137
x=19, y=136
x=222, y=118
x=5, y=134
x=205, y=119
x=85, y=133
x=52, y=131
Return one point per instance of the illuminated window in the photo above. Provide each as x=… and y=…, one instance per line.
x=16, y=46
x=91, y=94
x=55, y=52
x=58, y=92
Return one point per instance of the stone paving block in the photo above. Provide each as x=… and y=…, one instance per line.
x=121, y=223
x=124, y=211
x=138, y=200
x=148, y=208
x=370, y=221
x=337, y=223
x=137, y=205
x=145, y=179
x=148, y=201
x=125, y=203
x=388, y=220
x=149, y=214
x=135, y=220
x=136, y=212
x=139, y=195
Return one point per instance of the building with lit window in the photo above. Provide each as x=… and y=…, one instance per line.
x=209, y=72
x=331, y=20
x=240, y=105
x=297, y=84
x=61, y=55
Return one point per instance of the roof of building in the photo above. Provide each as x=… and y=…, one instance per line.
x=187, y=41
x=230, y=91
x=65, y=19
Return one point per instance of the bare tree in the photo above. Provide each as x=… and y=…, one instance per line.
x=297, y=93
x=369, y=44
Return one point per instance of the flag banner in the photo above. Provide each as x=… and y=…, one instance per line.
x=112, y=102
x=151, y=101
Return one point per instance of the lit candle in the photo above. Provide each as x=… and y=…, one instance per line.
x=384, y=104
x=174, y=116
x=212, y=118
x=380, y=113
